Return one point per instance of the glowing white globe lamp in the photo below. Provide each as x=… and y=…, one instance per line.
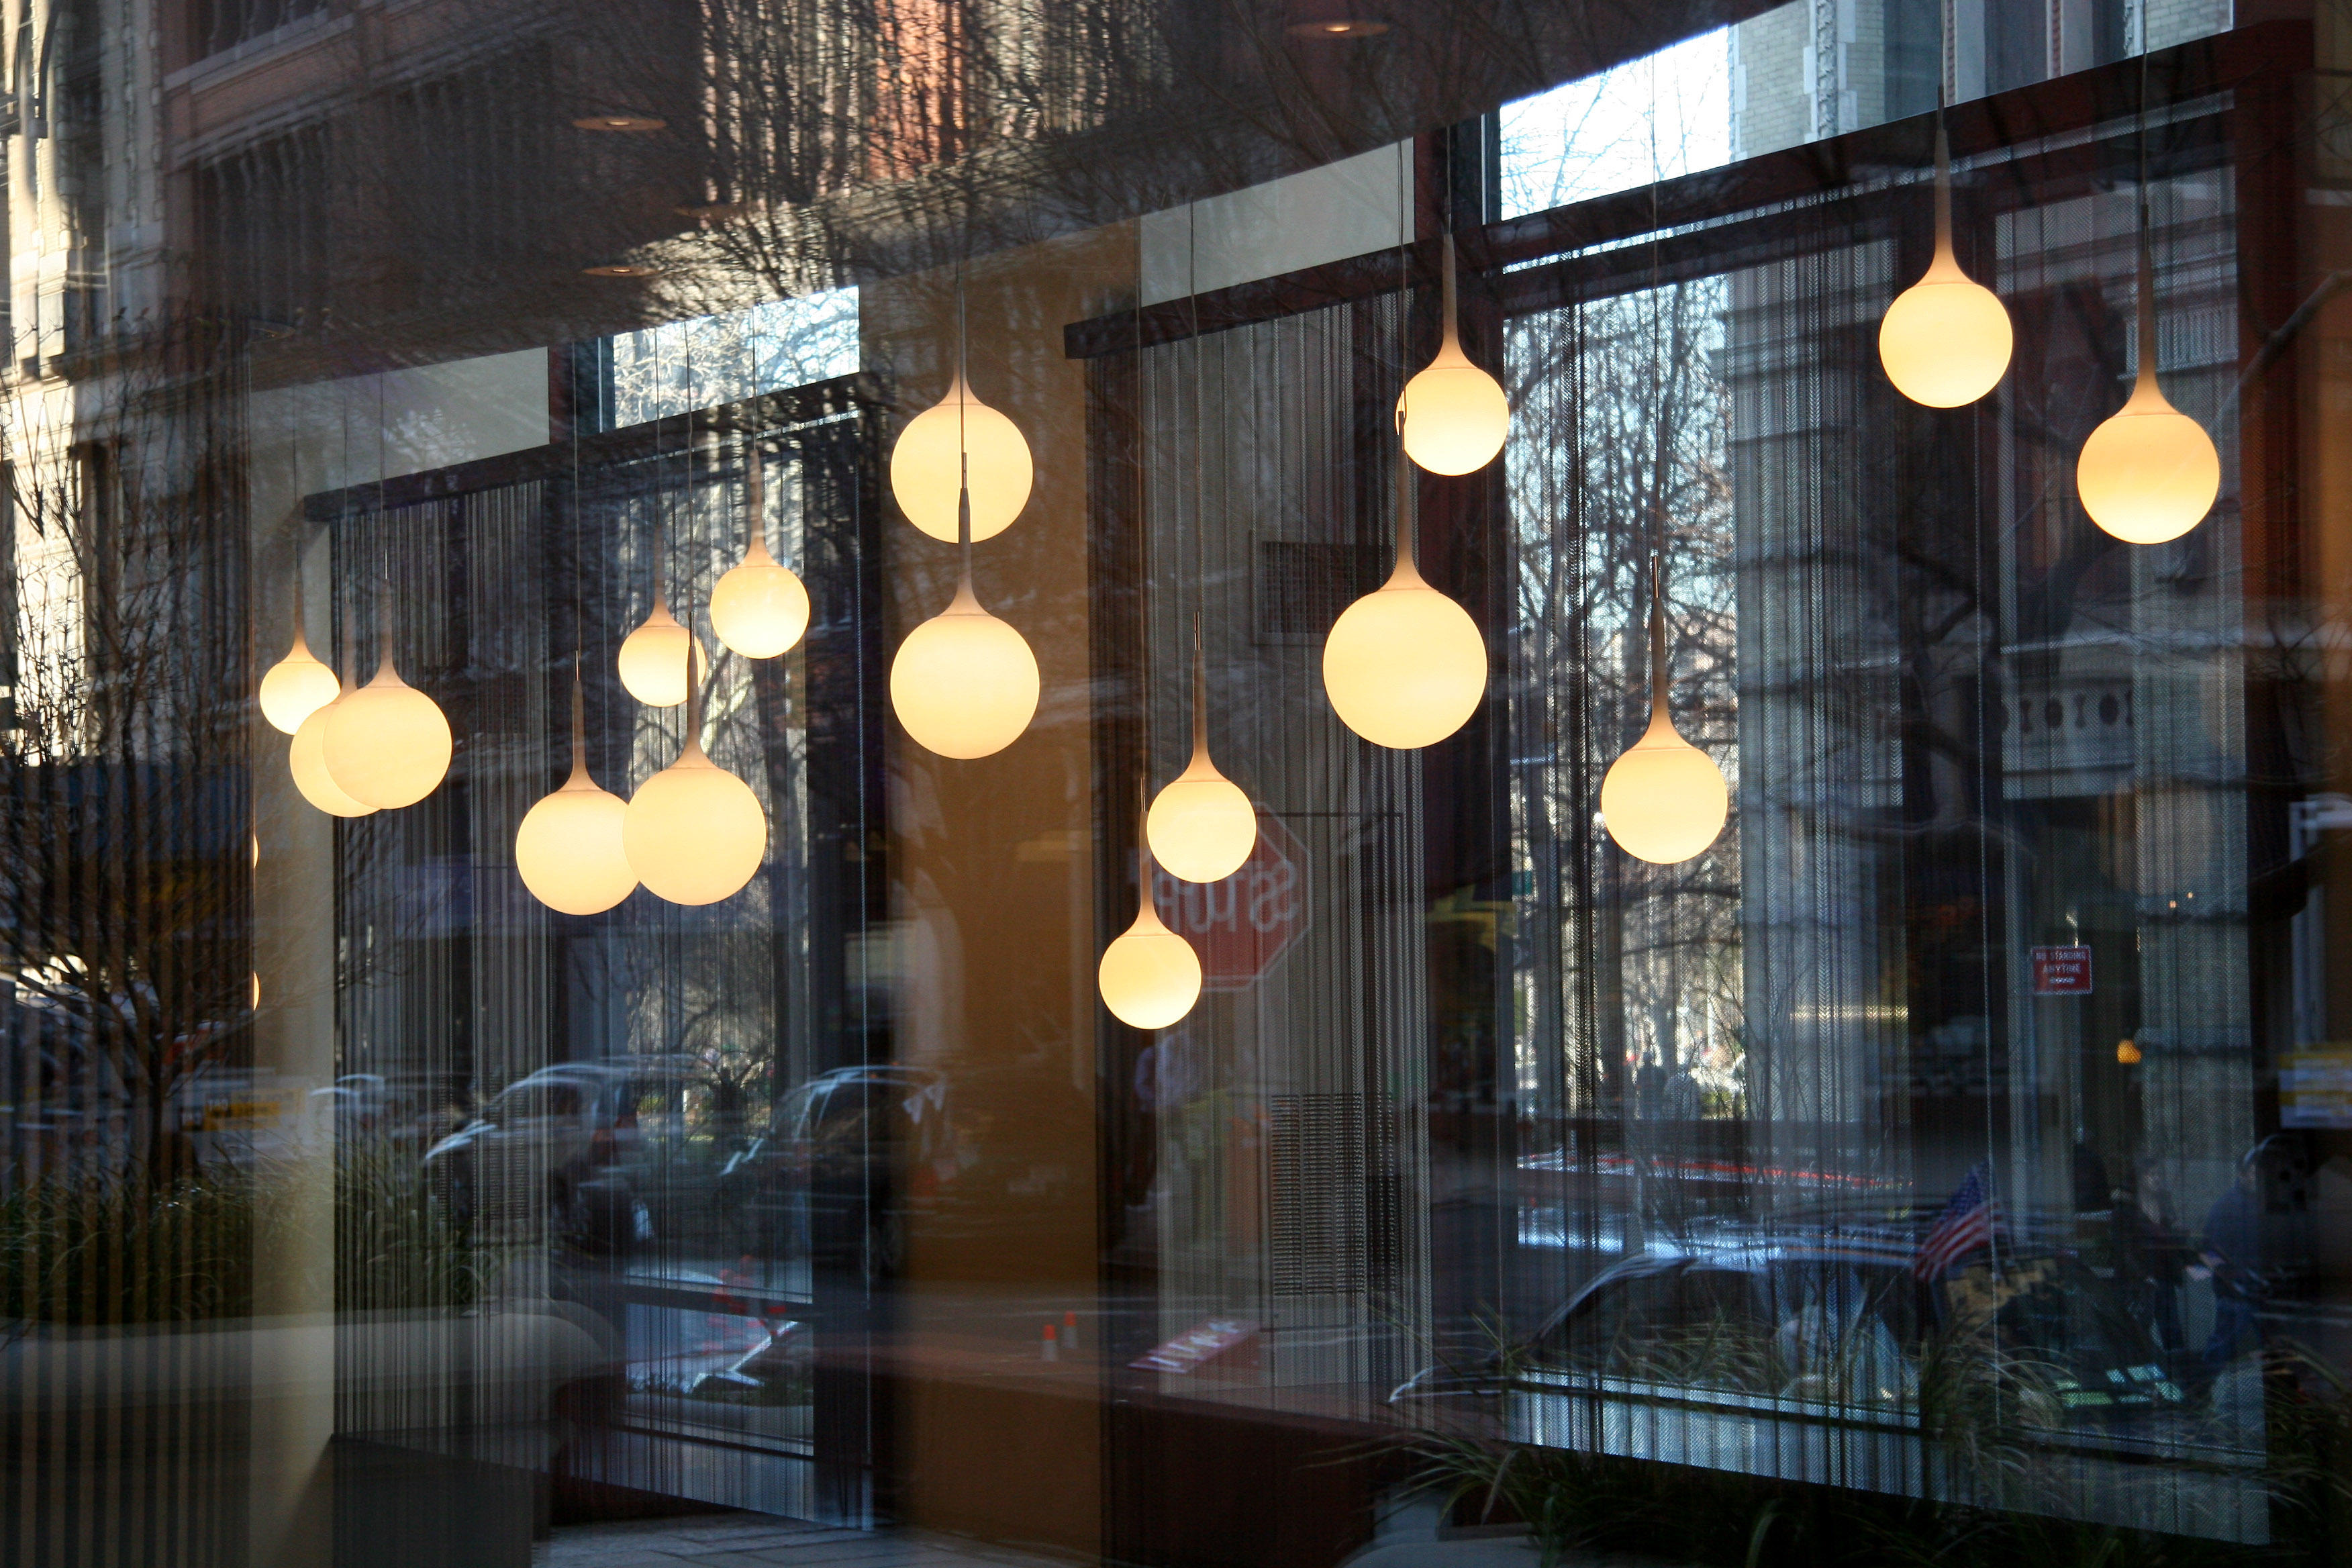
x=2148, y=473
x=956, y=437
x=1452, y=415
x=694, y=833
x=387, y=745
x=1404, y=666
x=759, y=608
x=1200, y=826
x=297, y=684
x=1665, y=800
x=568, y=848
x=1149, y=976
x=1947, y=340
x=306, y=759
x=653, y=658
x=964, y=683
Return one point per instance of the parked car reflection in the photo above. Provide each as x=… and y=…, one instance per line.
x=827, y=1173
x=604, y=1155
x=1837, y=1318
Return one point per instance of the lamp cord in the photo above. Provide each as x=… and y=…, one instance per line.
x=1199, y=482
x=1405, y=151
x=2147, y=257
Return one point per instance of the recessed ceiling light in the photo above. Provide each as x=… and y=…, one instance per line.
x=621, y=270
x=620, y=122
x=1337, y=27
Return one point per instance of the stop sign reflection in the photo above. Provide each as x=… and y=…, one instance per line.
x=1241, y=925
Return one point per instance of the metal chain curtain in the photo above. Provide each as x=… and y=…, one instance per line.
x=1961, y=723
x=452, y=978
x=1946, y=693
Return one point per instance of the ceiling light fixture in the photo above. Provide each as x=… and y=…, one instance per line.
x=1150, y=977
x=961, y=449
x=1945, y=341
x=1202, y=826
x=1452, y=415
x=694, y=833
x=1331, y=19
x=569, y=848
x=1404, y=666
x=2149, y=473
x=306, y=759
x=964, y=683
x=1664, y=800
x=297, y=684
x=387, y=745
x=651, y=659
x=760, y=609
x=621, y=123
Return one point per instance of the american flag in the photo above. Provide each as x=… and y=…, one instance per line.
x=1966, y=1224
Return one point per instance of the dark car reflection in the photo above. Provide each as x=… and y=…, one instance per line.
x=601, y=1156
x=1837, y=1320
x=827, y=1173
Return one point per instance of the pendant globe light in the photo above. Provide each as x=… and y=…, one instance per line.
x=961, y=452
x=1202, y=826
x=1946, y=340
x=760, y=609
x=569, y=848
x=653, y=658
x=387, y=743
x=694, y=833
x=1452, y=415
x=2148, y=473
x=1149, y=976
x=297, y=684
x=1665, y=800
x=964, y=683
x=1404, y=666
x=306, y=759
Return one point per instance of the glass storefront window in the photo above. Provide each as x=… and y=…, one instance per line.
x=426, y=420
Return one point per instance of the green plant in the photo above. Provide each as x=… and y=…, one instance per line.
x=131, y=1247
x=397, y=1248
x=124, y=1247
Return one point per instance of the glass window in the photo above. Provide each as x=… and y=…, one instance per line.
x=1139, y=783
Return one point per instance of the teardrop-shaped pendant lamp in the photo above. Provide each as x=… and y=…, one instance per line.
x=1404, y=666
x=306, y=759
x=1202, y=826
x=653, y=658
x=1452, y=415
x=694, y=833
x=958, y=447
x=568, y=848
x=964, y=683
x=387, y=743
x=1946, y=340
x=1664, y=800
x=297, y=684
x=1150, y=977
x=759, y=608
x=2148, y=473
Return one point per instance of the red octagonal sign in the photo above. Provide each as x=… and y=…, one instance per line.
x=1241, y=925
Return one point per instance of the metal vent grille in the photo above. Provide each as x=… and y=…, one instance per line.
x=1302, y=585
x=1318, y=1198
